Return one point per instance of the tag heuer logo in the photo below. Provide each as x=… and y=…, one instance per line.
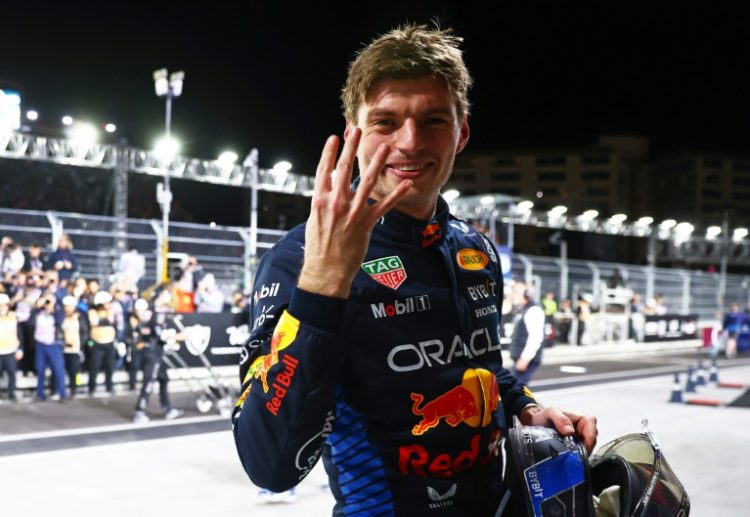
x=388, y=271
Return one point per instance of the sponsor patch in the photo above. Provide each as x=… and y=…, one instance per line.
x=283, y=336
x=387, y=271
x=472, y=259
x=431, y=233
x=400, y=307
x=473, y=402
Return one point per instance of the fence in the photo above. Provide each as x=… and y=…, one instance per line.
x=225, y=252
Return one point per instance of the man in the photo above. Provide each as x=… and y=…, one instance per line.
x=528, y=333
x=11, y=347
x=63, y=260
x=375, y=331
x=731, y=325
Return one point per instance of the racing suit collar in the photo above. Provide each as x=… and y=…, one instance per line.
x=424, y=234
x=402, y=227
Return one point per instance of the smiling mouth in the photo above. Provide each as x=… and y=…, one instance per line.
x=410, y=171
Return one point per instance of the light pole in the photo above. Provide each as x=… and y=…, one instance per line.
x=168, y=86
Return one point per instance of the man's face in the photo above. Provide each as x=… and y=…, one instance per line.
x=418, y=121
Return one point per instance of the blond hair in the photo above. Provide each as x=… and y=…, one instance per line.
x=408, y=52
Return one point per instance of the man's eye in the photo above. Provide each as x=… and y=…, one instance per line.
x=384, y=122
x=434, y=121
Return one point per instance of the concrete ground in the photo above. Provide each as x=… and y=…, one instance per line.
x=189, y=467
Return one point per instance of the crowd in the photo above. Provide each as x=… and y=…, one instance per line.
x=55, y=321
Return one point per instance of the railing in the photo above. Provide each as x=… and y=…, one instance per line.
x=224, y=251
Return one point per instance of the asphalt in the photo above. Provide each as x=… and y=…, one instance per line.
x=89, y=454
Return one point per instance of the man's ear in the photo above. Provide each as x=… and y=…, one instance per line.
x=464, y=133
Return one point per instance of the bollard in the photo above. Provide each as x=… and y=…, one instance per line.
x=714, y=375
x=700, y=375
x=690, y=382
x=676, y=390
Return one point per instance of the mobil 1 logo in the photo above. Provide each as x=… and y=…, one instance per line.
x=400, y=307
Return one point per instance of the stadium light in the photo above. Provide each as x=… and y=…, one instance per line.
x=739, y=233
x=67, y=120
x=451, y=195
x=32, y=115
x=282, y=166
x=168, y=86
x=558, y=211
x=712, y=232
x=83, y=134
x=589, y=215
x=110, y=128
x=618, y=219
x=525, y=206
x=487, y=200
x=644, y=221
x=668, y=224
x=166, y=149
x=227, y=158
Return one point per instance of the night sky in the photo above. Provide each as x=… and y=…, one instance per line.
x=268, y=74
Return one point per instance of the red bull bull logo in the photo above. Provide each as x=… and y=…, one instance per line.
x=473, y=402
x=283, y=336
x=431, y=233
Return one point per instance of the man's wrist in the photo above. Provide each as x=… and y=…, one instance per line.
x=528, y=411
x=325, y=284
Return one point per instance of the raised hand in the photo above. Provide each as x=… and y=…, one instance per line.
x=341, y=221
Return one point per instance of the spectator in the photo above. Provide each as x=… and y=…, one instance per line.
x=239, y=304
x=25, y=300
x=48, y=340
x=549, y=304
x=583, y=313
x=103, y=333
x=33, y=260
x=11, y=348
x=617, y=279
x=62, y=259
x=528, y=333
x=564, y=320
x=75, y=330
x=11, y=260
x=731, y=326
x=131, y=268
x=186, y=284
x=208, y=297
x=660, y=309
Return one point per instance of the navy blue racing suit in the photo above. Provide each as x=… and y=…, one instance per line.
x=400, y=387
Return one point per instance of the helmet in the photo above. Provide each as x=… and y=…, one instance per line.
x=631, y=477
x=70, y=300
x=141, y=305
x=547, y=474
x=102, y=297
x=4, y=300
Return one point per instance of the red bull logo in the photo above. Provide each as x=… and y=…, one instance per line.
x=431, y=233
x=283, y=336
x=473, y=402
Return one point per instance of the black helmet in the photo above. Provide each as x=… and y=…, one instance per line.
x=546, y=474
x=549, y=475
x=631, y=477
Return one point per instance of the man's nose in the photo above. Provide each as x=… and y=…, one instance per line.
x=409, y=137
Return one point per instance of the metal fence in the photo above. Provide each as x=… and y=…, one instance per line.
x=225, y=252
x=684, y=291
